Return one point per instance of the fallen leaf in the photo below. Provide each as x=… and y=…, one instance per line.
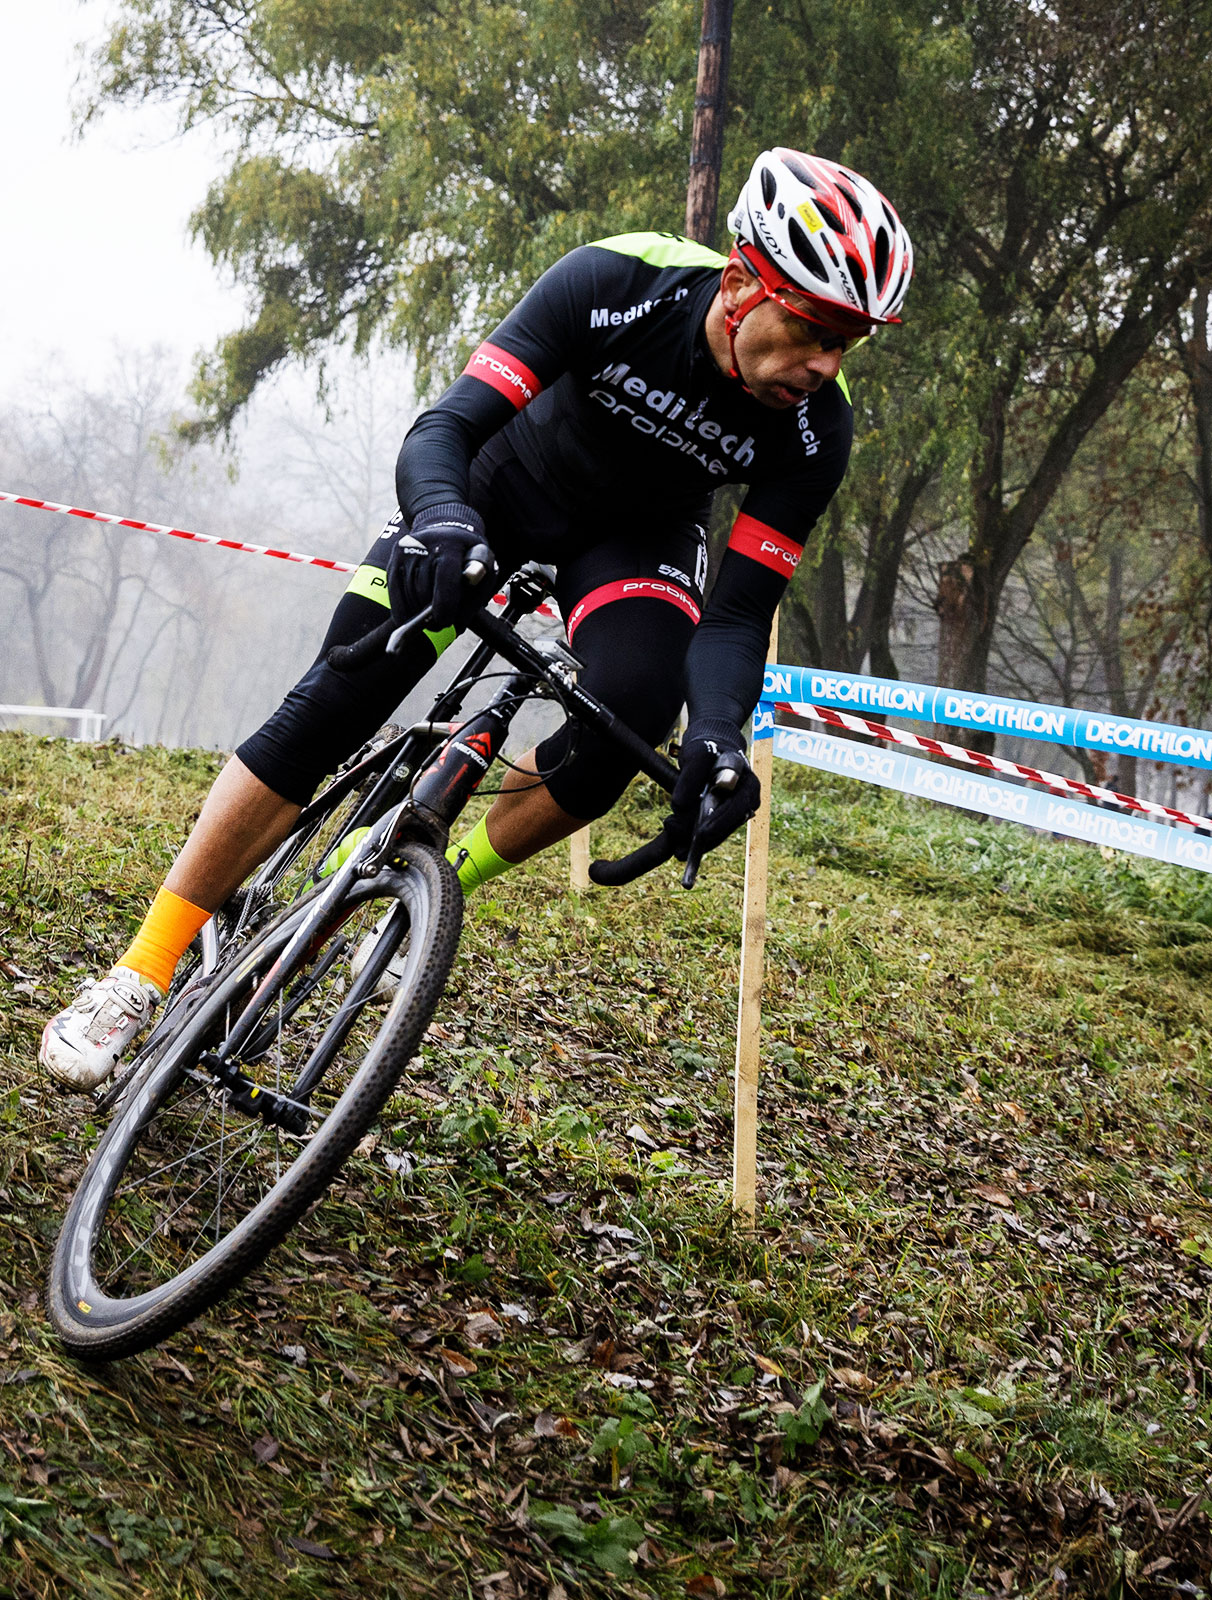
x=490, y=1418
x=461, y=1366
x=849, y=1378
x=265, y=1449
x=995, y=1197
x=308, y=1547
x=609, y=1230
x=707, y=1584
x=482, y=1326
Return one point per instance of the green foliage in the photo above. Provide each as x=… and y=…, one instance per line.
x=804, y=1426
x=608, y=1543
x=406, y=170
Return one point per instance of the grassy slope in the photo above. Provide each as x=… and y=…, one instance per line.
x=985, y=1246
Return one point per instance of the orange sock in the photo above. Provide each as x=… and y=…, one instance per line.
x=165, y=936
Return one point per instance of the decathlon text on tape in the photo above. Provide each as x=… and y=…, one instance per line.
x=842, y=691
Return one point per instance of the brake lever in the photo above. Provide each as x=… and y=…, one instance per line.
x=396, y=642
x=723, y=781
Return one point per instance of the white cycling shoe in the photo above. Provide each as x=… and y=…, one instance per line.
x=81, y=1046
x=389, y=978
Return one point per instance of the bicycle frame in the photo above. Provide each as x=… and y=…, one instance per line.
x=430, y=771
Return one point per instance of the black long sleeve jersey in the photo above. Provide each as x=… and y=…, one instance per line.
x=611, y=399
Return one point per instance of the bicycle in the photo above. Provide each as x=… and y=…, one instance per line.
x=278, y=1048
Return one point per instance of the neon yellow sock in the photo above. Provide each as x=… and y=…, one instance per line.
x=482, y=860
x=163, y=938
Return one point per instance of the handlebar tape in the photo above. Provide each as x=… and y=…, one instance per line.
x=347, y=657
x=611, y=874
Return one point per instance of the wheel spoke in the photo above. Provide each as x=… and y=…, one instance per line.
x=162, y=1225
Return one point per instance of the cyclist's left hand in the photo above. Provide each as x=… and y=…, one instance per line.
x=706, y=741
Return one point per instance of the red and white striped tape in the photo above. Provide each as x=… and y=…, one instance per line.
x=205, y=538
x=974, y=758
x=179, y=533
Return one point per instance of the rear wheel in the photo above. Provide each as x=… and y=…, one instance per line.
x=244, y=1115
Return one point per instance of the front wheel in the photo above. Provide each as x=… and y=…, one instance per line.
x=242, y=1119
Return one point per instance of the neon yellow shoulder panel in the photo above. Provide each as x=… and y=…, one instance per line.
x=845, y=388
x=662, y=249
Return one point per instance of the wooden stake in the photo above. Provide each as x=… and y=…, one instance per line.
x=749, y=1007
x=578, y=846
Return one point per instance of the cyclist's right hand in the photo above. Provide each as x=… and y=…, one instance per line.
x=729, y=796
x=425, y=568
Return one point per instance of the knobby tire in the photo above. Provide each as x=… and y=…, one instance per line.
x=97, y=1323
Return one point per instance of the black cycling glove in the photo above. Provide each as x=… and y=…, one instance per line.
x=426, y=566
x=706, y=741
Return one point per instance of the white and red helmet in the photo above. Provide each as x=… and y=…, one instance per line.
x=806, y=224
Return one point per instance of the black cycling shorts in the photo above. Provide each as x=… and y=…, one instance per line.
x=630, y=597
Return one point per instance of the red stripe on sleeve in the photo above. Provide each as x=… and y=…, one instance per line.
x=761, y=543
x=505, y=373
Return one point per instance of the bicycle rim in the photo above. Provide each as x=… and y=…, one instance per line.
x=190, y=1187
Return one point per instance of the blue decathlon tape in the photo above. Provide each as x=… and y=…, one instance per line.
x=989, y=713
x=890, y=769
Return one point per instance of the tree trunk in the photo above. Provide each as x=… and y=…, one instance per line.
x=971, y=586
x=1197, y=359
x=707, y=136
x=964, y=636
x=799, y=645
x=871, y=620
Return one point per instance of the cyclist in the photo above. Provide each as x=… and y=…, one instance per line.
x=589, y=430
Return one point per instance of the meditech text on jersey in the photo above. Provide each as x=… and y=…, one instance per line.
x=604, y=317
x=670, y=406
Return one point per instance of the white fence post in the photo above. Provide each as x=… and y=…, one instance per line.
x=89, y=723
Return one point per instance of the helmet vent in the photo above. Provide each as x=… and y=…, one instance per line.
x=796, y=166
x=883, y=252
x=806, y=253
x=830, y=215
x=856, y=279
x=856, y=204
x=769, y=187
